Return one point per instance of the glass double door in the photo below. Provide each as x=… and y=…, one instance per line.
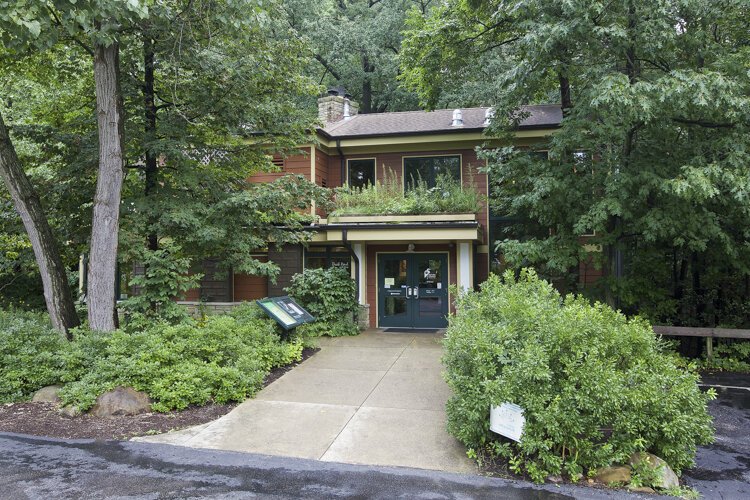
x=413, y=290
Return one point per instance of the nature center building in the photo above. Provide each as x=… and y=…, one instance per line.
x=403, y=264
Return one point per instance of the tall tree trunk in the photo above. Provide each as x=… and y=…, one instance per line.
x=615, y=223
x=57, y=294
x=105, y=221
x=566, y=104
x=368, y=69
x=149, y=106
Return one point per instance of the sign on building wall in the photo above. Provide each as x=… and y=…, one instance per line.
x=507, y=420
x=285, y=311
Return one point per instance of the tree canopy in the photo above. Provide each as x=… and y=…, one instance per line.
x=652, y=153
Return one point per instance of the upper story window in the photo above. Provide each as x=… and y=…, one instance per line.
x=361, y=172
x=428, y=169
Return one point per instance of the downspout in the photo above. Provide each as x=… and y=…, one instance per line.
x=342, y=161
x=344, y=234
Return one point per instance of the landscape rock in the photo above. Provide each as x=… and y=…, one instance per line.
x=70, y=411
x=49, y=394
x=554, y=479
x=121, y=401
x=666, y=476
x=641, y=489
x=614, y=474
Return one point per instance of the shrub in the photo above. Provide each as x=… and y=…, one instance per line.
x=330, y=296
x=165, y=276
x=29, y=354
x=389, y=197
x=222, y=359
x=595, y=387
x=226, y=359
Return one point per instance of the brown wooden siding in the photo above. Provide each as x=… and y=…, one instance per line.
x=289, y=259
x=481, y=269
x=295, y=164
x=249, y=287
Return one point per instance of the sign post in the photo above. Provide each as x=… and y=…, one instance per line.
x=285, y=311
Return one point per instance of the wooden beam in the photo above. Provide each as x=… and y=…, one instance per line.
x=689, y=331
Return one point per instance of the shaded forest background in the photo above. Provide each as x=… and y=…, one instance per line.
x=653, y=157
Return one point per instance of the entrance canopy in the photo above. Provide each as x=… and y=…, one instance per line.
x=399, y=228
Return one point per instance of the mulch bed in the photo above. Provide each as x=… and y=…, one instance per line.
x=44, y=419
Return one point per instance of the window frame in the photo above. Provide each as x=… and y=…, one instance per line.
x=328, y=254
x=445, y=155
x=374, y=170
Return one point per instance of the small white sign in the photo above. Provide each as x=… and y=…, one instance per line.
x=389, y=282
x=507, y=420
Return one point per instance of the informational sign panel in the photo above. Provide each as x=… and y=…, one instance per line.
x=507, y=420
x=285, y=311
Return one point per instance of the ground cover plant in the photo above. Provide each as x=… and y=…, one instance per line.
x=329, y=295
x=29, y=354
x=729, y=355
x=595, y=386
x=388, y=197
x=218, y=359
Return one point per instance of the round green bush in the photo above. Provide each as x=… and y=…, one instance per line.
x=329, y=295
x=595, y=386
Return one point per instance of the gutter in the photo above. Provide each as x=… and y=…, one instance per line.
x=326, y=135
x=381, y=225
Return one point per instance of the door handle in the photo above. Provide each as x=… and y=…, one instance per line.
x=408, y=292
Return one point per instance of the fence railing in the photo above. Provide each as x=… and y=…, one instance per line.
x=709, y=333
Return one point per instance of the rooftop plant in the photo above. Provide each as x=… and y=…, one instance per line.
x=388, y=197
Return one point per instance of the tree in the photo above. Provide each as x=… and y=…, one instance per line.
x=57, y=294
x=207, y=110
x=39, y=25
x=356, y=44
x=204, y=111
x=651, y=155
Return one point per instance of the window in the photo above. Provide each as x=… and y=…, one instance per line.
x=428, y=169
x=539, y=155
x=361, y=172
x=324, y=257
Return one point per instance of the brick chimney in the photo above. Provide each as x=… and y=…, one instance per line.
x=336, y=106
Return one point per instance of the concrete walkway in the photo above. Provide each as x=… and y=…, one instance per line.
x=376, y=399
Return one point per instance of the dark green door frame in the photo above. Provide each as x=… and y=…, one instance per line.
x=412, y=290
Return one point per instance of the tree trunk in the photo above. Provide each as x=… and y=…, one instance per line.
x=57, y=294
x=149, y=105
x=566, y=102
x=368, y=69
x=105, y=222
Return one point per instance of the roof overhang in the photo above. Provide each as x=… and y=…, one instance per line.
x=424, y=140
x=434, y=232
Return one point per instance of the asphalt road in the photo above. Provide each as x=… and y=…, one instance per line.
x=722, y=469
x=34, y=468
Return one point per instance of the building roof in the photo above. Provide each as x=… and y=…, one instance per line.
x=431, y=122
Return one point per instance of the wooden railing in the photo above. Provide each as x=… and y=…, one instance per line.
x=709, y=333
